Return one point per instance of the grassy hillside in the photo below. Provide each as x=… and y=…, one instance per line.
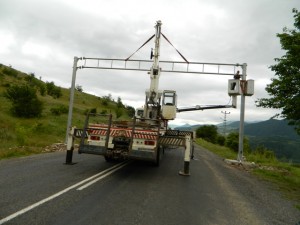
x=22, y=136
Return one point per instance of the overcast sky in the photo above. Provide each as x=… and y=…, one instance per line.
x=42, y=37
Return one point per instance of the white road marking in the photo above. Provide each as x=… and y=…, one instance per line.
x=99, y=178
x=108, y=171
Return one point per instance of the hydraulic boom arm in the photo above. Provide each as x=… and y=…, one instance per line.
x=198, y=107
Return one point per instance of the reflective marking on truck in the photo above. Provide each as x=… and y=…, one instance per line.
x=127, y=133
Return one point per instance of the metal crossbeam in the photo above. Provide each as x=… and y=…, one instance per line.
x=166, y=66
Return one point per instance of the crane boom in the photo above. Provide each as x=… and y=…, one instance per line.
x=153, y=95
x=198, y=107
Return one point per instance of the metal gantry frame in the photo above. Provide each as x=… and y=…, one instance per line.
x=167, y=66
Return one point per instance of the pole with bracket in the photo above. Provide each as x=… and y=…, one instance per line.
x=70, y=147
x=242, y=114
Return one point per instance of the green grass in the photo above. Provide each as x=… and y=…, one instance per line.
x=222, y=151
x=21, y=136
x=284, y=175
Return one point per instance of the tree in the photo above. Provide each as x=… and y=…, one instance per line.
x=106, y=99
x=42, y=89
x=221, y=140
x=119, y=113
x=119, y=103
x=285, y=88
x=79, y=88
x=232, y=142
x=24, y=101
x=53, y=90
x=130, y=111
x=208, y=133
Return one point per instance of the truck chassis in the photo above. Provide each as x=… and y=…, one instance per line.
x=136, y=139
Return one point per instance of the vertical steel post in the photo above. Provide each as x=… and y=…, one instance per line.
x=242, y=114
x=71, y=96
x=69, y=125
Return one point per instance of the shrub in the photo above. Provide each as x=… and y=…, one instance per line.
x=119, y=103
x=263, y=151
x=106, y=99
x=59, y=110
x=232, y=142
x=119, y=112
x=87, y=111
x=103, y=112
x=130, y=111
x=93, y=110
x=5, y=134
x=6, y=85
x=221, y=140
x=79, y=88
x=42, y=89
x=208, y=133
x=10, y=72
x=53, y=90
x=24, y=101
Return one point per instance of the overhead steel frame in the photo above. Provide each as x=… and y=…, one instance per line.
x=171, y=66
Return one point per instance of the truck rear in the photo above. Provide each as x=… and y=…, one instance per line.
x=120, y=140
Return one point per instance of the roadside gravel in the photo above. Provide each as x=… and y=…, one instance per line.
x=250, y=195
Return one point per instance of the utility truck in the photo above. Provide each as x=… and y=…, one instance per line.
x=147, y=135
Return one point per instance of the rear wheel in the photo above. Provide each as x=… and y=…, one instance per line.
x=108, y=158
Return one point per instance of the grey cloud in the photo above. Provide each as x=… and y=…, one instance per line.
x=206, y=31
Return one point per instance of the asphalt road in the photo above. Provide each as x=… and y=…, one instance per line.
x=40, y=190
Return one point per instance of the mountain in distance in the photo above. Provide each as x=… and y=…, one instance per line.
x=271, y=128
x=275, y=135
x=230, y=126
x=187, y=127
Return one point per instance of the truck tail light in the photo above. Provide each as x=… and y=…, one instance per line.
x=148, y=142
x=95, y=138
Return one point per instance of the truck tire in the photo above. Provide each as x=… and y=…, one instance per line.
x=108, y=159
